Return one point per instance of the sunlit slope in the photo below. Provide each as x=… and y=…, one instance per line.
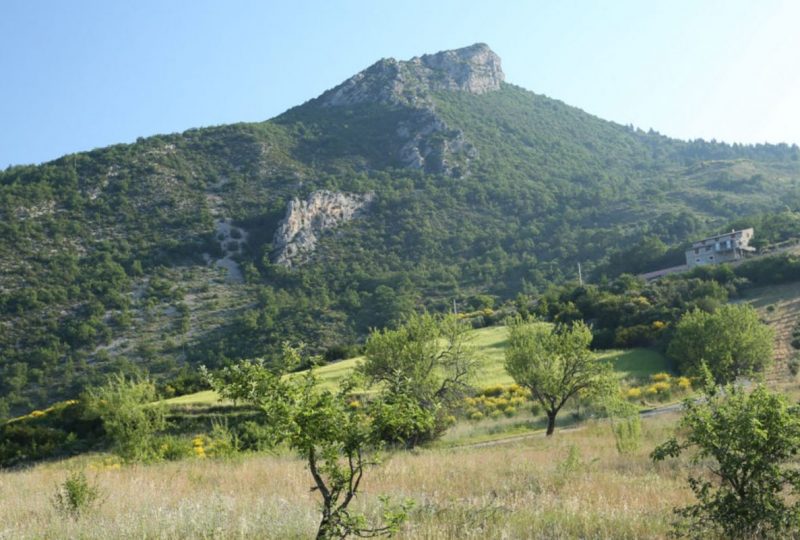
x=490, y=344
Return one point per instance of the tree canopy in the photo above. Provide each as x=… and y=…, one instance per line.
x=732, y=341
x=555, y=364
x=425, y=365
x=748, y=442
x=331, y=431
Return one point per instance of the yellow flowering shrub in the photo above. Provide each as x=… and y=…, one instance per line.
x=495, y=401
x=660, y=377
x=633, y=393
x=198, y=444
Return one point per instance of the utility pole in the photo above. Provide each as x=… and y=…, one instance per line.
x=455, y=309
x=580, y=275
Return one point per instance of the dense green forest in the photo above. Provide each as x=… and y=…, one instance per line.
x=105, y=253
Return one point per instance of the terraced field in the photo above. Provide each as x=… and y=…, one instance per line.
x=779, y=306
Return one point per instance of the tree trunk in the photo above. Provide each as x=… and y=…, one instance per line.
x=323, y=533
x=551, y=422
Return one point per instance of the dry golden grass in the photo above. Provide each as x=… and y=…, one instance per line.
x=513, y=490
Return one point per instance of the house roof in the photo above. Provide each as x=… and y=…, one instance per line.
x=714, y=239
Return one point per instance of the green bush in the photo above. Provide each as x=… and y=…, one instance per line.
x=627, y=433
x=131, y=416
x=76, y=496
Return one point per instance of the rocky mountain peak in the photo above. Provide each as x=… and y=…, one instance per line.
x=475, y=69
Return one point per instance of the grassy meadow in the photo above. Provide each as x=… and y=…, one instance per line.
x=528, y=488
x=494, y=478
x=489, y=343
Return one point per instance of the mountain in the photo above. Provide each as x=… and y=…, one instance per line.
x=411, y=184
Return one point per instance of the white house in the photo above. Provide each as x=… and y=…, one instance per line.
x=726, y=247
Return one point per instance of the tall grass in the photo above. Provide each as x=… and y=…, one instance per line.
x=512, y=490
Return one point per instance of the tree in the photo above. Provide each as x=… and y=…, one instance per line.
x=732, y=341
x=555, y=364
x=424, y=366
x=130, y=415
x=749, y=443
x=331, y=431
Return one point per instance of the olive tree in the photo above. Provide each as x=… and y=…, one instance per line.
x=555, y=364
x=747, y=444
x=732, y=342
x=331, y=431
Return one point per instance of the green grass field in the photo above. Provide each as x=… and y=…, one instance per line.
x=490, y=343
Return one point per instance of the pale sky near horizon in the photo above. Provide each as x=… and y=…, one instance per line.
x=89, y=73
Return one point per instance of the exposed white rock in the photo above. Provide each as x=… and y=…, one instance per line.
x=475, y=69
x=428, y=143
x=432, y=153
x=300, y=229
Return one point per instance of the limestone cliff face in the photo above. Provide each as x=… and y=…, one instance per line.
x=306, y=220
x=475, y=69
x=430, y=145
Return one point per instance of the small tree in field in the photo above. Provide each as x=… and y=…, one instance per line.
x=748, y=443
x=555, y=364
x=424, y=366
x=331, y=431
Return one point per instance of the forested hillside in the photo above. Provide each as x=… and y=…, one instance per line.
x=160, y=255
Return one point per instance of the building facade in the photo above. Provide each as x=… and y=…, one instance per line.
x=722, y=248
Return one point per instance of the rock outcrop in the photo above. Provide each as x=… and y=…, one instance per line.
x=475, y=69
x=306, y=220
x=432, y=146
x=428, y=143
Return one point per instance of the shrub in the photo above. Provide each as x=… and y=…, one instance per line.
x=494, y=391
x=254, y=436
x=794, y=364
x=732, y=341
x=750, y=442
x=198, y=446
x=573, y=462
x=659, y=389
x=60, y=430
x=633, y=393
x=222, y=442
x=627, y=433
x=498, y=398
x=130, y=416
x=660, y=377
x=75, y=496
x=403, y=421
x=173, y=448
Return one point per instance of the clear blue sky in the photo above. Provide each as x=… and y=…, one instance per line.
x=81, y=74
